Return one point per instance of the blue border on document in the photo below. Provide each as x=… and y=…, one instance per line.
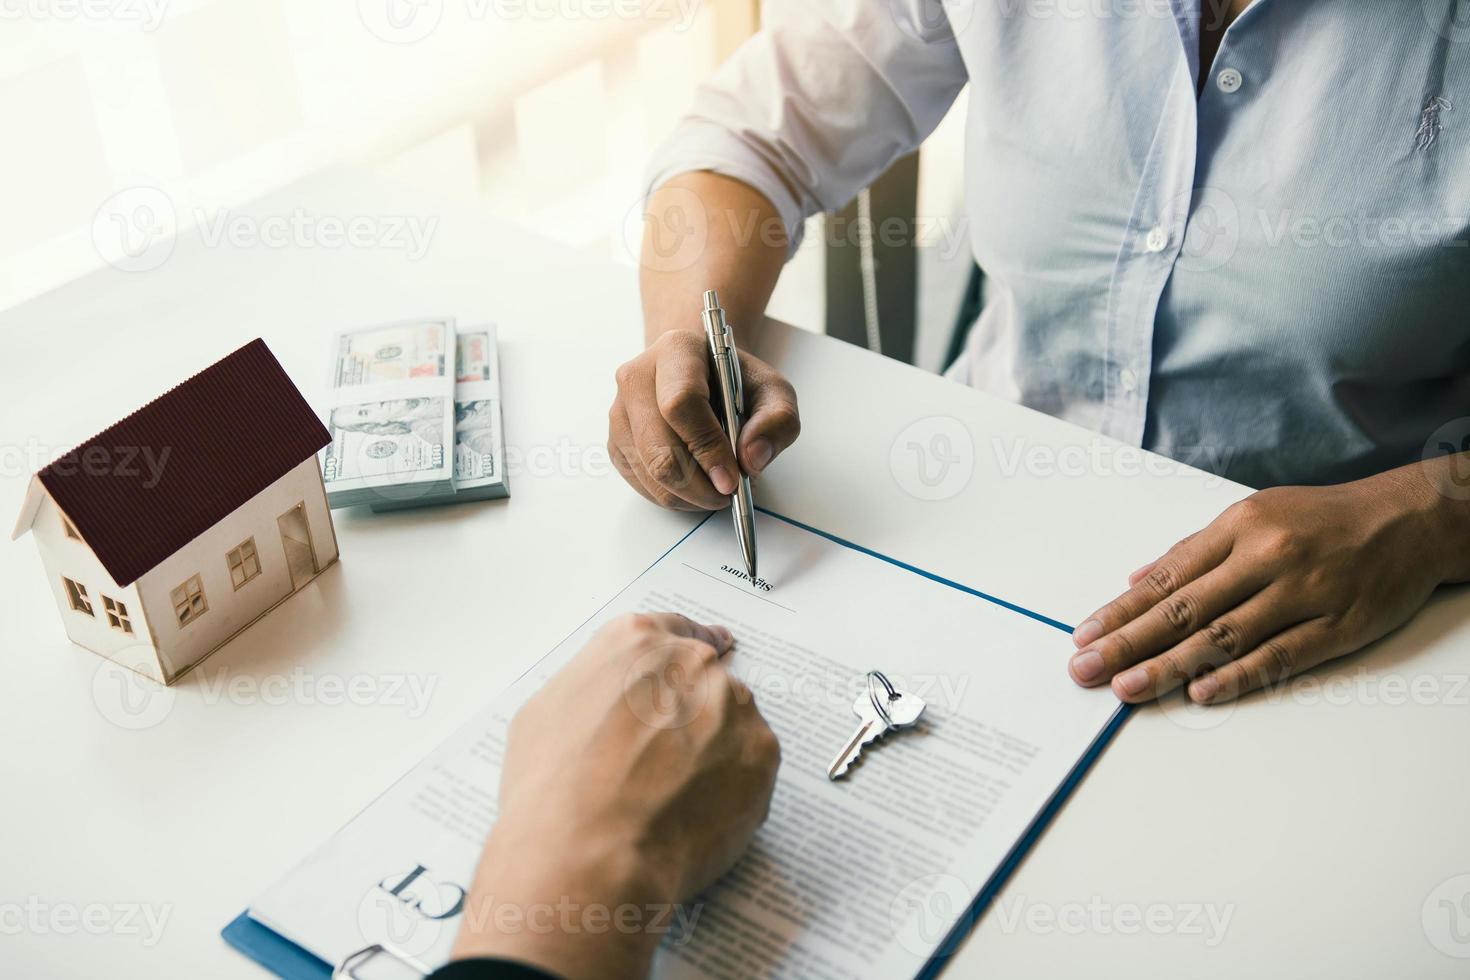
x=1003, y=871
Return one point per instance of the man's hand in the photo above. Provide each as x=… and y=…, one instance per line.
x=632, y=781
x=665, y=438
x=1279, y=583
x=663, y=433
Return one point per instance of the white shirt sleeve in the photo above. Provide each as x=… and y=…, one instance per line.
x=818, y=104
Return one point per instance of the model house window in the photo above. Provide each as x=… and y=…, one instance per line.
x=117, y=615
x=70, y=529
x=189, y=602
x=76, y=594
x=244, y=563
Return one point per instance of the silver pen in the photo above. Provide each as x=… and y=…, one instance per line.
x=732, y=402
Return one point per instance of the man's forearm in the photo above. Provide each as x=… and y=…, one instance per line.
x=706, y=231
x=550, y=904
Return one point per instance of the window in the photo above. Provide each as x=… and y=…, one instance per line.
x=188, y=601
x=117, y=615
x=70, y=529
x=244, y=563
x=76, y=594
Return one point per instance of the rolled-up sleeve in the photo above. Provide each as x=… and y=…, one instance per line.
x=820, y=102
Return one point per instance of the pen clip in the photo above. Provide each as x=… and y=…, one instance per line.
x=722, y=344
x=739, y=380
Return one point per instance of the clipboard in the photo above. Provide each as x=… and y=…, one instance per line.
x=292, y=962
x=273, y=951
x=285, y=959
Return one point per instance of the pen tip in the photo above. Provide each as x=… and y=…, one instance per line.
x=711, y=299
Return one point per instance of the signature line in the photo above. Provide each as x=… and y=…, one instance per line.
x=737, y=588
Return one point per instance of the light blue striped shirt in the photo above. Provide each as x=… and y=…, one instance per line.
x=1270, y=279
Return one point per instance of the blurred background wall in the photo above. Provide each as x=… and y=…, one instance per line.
x=541, y=112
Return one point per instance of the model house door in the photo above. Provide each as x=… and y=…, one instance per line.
x=296, y=540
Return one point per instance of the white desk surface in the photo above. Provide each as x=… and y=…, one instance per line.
x=1328, y=824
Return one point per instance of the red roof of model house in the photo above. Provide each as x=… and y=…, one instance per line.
x=216, y=441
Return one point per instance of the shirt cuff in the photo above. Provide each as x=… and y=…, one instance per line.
x=699, y=144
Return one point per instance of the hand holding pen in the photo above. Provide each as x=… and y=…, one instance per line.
x=664, y=430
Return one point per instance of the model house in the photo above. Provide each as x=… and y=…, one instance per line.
x=170, y=532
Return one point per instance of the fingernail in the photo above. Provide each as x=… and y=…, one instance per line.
x=1087, y=666
x=723, y=637
x=1087, y=632
x=1204, y=689
x=759, y=455
x=723, y=481
x=1133, y=682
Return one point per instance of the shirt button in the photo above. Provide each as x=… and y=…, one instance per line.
x=1229, y=81
x=1157, y=240
x=1128, y=380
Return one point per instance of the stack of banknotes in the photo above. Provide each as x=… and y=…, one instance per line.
x=415, y=416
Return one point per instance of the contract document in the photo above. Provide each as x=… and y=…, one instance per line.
x=863, y=877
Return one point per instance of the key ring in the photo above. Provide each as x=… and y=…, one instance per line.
x=876, y=677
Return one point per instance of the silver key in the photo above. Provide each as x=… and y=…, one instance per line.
x=880, y=710
x=870, y=727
